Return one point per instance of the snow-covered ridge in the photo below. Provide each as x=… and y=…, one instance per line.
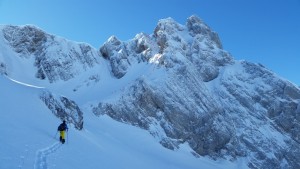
x=178, y=83
x=46, y=56
x=25, y=84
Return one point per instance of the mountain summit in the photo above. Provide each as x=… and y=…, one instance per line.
x=177, y=83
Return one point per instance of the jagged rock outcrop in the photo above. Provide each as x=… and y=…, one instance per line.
x=197, y=27
x=55, y=58
x=63, y=108
x=25, y=40
x=116, y=51
x=122, y=55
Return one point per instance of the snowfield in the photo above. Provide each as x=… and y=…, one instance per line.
x=29, y=140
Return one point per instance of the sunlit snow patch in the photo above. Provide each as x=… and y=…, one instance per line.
x=25, y=84
x=155, y=58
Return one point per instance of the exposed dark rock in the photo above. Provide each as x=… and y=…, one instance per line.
x=55, y=58
x=64, y=108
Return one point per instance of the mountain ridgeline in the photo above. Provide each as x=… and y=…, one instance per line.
x=178, y=83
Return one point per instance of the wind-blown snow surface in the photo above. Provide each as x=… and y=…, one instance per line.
x=29, y=140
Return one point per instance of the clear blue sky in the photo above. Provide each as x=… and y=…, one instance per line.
x=260, y=31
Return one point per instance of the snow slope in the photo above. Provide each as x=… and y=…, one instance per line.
x=23, y=118
x=29, y=140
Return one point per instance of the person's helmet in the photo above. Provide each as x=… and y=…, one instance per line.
x=64, y=121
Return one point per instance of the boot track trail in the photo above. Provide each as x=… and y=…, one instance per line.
x=42, y=154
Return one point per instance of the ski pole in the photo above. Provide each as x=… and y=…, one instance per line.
x=67, y=136
x=55, y=134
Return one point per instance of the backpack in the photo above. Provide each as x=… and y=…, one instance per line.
x=61, y=127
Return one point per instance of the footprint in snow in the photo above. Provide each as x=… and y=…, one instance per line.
x=42, y=154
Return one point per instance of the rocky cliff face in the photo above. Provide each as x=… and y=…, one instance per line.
x=54, y=58
x=63, y=108
x=221, y=107
x=190, y=91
